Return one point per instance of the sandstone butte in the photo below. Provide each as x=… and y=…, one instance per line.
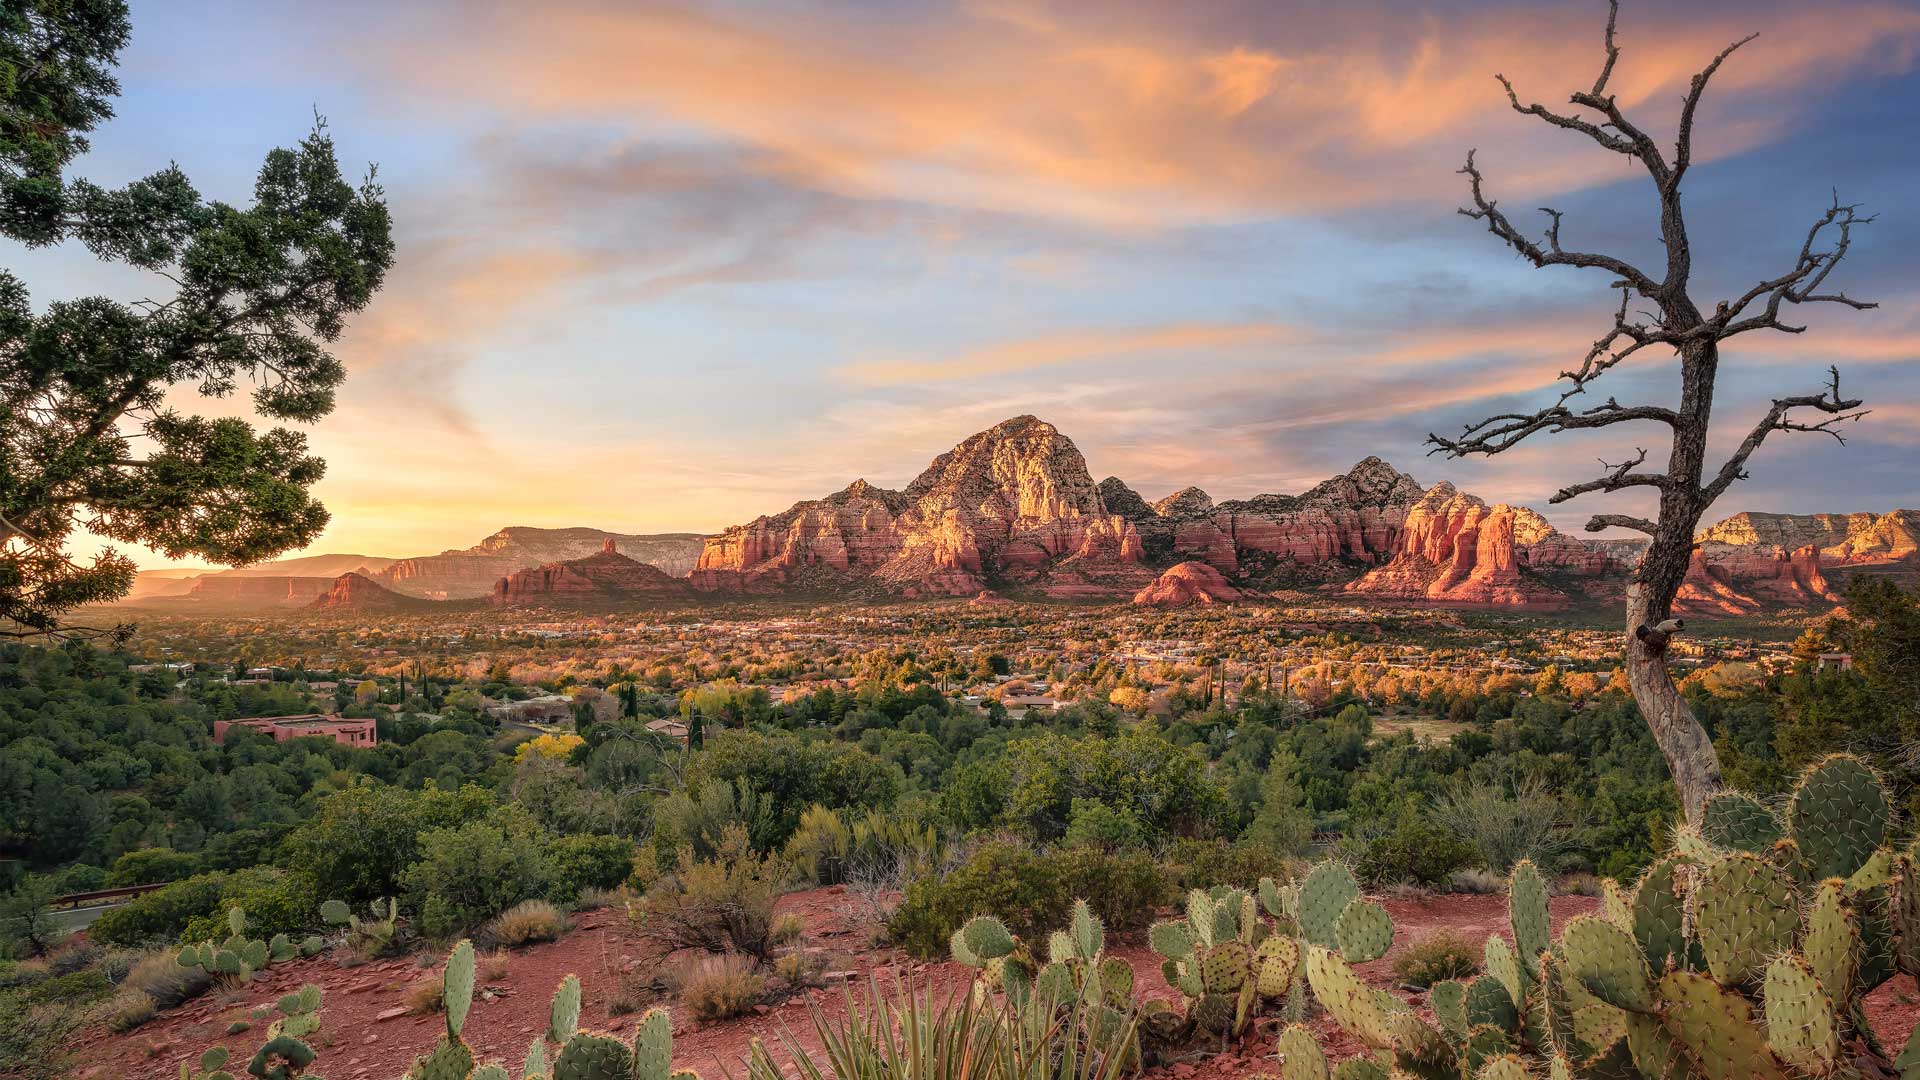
x=1015, y=507
x=1190, y=582
x=604, y=575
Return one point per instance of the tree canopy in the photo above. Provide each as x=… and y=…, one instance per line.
x=90, y=437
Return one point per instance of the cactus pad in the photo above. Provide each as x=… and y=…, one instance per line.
x=593, y=1057
x=1448, y=997
x=1527, y=914
x=653, y=1046
x=448, y=1060
x=1502, y=964
x=1364, y=932
x=1300, y=1056
x=1838, y=816
x=1505, y=1067
x=1717, y=1028
x=1608, y=962
x=1173, y=940
x=1276, y=962
x=1089, y=933
x=563, y=1017
x=1324, y=894
x=1832, y=944
x=457, y=983
x=1747, y=914
x=1349, y=1000
x=1659, y=916
x=987, y=938
x=1225, y=967
x=1214, y=1013
x=1735, y=820
x=1801, y=1025
x=1489, y=1004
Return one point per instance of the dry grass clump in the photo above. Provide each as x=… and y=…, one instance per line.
x=1436, y=956
x=494, y=965
x=719, y=987
x=128, y=1010
x=526, y=923
x=1477, y=882
x=800, y=970
x=425, y=996
x=160, y=977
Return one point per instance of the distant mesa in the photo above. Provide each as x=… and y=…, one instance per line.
x=1187, y=583
x=606, y=575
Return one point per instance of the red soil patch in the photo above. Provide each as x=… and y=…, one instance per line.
x=355, y=1044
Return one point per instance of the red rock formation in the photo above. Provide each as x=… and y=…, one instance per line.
x=1189, y=582
x=357, y=592
x=604, y=577
x=1729, y=579
x=1457, y=549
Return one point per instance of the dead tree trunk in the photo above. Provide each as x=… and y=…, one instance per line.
x=1687, y=488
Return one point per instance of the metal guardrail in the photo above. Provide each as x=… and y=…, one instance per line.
x=81, y=898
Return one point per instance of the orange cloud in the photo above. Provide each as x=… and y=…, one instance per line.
x=1125, y=113
x=1072, y=347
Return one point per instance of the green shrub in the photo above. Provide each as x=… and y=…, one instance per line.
x=1030, y=890
x=576, y=863
x=149, y=866
x=275, y=902
x=1202, y=864
x=1414, y=851
x=161, y=915
x=722, y=904
x=34, y=1035
x=470, y=873
x=1432, y=957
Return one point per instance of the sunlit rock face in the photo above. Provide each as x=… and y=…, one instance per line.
x=604, y=575
x=1015, y=508
x=1188, y=583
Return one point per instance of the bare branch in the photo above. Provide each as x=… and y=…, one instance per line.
x=1800, y=285
x=1839, y=410
x=1683, y=144
x=1602, y=522
x=1618, y=477
x=1484, y=209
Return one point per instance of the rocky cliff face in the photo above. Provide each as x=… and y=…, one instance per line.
x=1837, y=538
x=357, y=592
x=1740, y=579
x=1456, y=549
x=1006, y=504
x=1186, y=583
x=1014, y=508
x=605, y=576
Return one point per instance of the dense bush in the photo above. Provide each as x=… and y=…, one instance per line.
x=161, y=915
x=360, y=842
x=150, y=866
x=1031, y=890
x=275, y=902
x=469, y=873
x=1202, y=864
x=575, y=863
x=1416, y=851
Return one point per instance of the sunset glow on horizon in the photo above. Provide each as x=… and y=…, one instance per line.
x=666, y=267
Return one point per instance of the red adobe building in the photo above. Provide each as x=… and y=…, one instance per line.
x=282, y=728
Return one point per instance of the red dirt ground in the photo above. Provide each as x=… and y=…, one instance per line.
x=355, y=1043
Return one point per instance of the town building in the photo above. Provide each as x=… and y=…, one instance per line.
x=282, y=728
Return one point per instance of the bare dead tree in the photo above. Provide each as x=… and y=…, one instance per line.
x=1675, y=324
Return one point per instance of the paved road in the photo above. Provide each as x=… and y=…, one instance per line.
x=79, y=918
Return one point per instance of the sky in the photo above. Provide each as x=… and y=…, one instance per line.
x=667, y=267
